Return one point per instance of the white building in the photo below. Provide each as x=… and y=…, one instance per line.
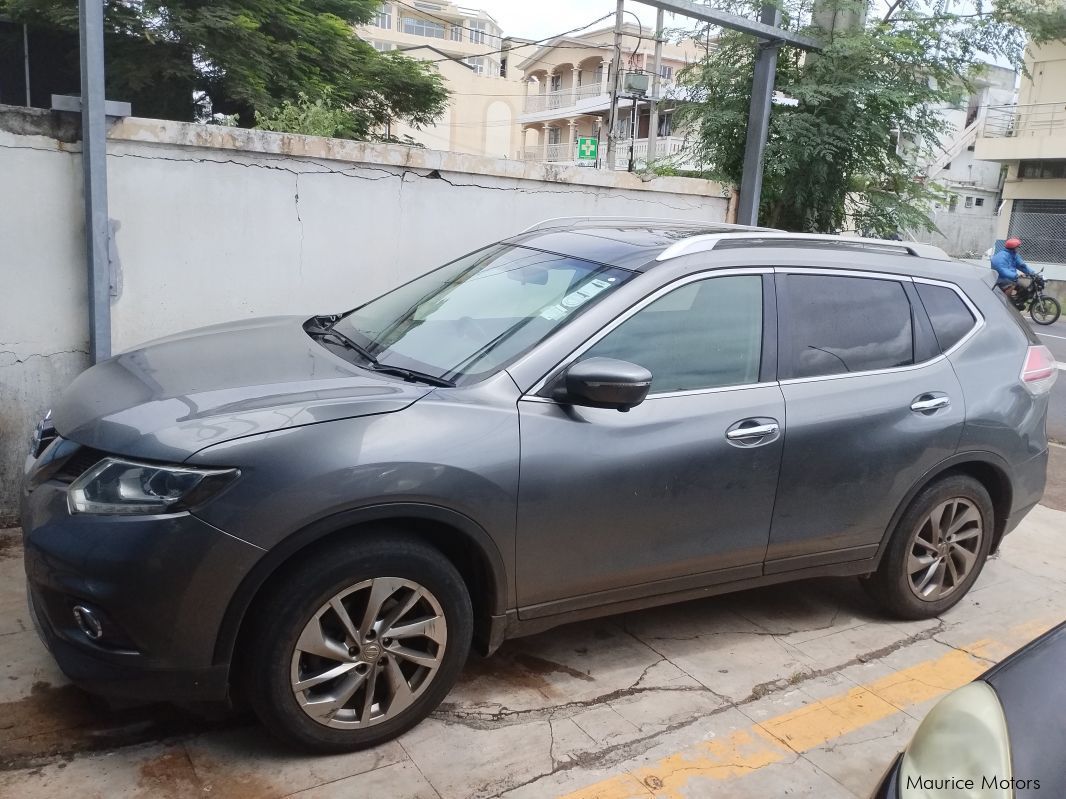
x=968, y=217
x=568, y=82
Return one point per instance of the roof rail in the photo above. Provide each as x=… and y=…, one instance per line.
x=566, y=221
x=709, y=241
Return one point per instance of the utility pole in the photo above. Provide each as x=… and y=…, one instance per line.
x=26, y=62
x=634, y=124
x=762, y=92
x=616, y=82
x=94, y=164
x=656, y=84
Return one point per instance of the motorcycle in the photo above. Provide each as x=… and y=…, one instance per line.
x=1043, y=308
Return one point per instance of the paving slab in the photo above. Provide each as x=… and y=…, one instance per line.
x=795, y=690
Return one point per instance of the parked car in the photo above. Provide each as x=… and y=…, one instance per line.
x=322, y=515
x=999, y=737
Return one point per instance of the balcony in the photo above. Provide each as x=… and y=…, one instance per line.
x=562, y=98
x=1022, y=132
x=671, y=148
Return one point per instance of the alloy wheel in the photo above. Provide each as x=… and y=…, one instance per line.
x=944, y=549
x=368, y=653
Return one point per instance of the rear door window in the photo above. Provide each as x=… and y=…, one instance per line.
x=846, y=324
x=950, y=317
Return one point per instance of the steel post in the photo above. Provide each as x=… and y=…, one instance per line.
x=762, y=92
x=94, y=166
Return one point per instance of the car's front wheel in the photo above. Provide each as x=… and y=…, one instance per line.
x=358, y=643
x=937, y=550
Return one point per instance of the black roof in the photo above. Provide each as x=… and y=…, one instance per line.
x=630, y=245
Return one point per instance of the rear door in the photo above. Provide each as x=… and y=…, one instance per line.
x=872, y=405
x=677, y=492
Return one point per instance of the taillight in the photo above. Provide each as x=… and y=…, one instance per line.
x=1040, y=370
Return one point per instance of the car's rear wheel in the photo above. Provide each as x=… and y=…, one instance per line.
x=937, y=550
x=358, y=644
x=1045, y=310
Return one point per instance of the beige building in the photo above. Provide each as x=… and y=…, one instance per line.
x=468, y=48
x=568, y=96
x=1030, y=139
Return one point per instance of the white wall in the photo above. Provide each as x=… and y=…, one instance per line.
x=213, y=224
x=962, y=235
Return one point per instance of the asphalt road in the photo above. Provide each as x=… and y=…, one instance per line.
x=1054, y=337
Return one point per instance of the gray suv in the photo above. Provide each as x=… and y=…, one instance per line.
x=323, y=515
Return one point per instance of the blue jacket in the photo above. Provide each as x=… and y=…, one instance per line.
x=1008, y=263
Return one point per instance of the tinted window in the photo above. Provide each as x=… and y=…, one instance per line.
x=950, y=317
x=847, y=324
x=703, y=335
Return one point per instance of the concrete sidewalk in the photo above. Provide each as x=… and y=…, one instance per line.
x=790, y=690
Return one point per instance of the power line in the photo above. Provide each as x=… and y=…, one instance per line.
x=527, y=44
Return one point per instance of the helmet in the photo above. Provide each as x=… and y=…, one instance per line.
x=1012, y=244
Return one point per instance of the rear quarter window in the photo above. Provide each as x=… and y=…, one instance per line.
x=949, y=315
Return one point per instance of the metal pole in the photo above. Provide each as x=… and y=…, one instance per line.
x=26, y=61
x=616, y=82
x=762, y=92
x=656, y=85
x=634, y=123
x=94, y=164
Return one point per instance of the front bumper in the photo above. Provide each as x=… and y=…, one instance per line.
x=159, y=584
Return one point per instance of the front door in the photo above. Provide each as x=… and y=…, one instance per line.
x=675, y=493
x=871, y=407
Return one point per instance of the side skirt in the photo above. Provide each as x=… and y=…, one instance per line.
x=516, y=627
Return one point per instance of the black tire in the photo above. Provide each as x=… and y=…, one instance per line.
x=1045, y=310
x=891, y=585
x=301, y=595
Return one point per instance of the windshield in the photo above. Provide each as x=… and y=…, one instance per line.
x=464, y=321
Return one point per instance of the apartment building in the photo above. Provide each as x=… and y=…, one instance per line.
x=967, y=219
x=1030, y=139
x=568, y=83
x=468, y=47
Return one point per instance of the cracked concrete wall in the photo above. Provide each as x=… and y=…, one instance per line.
x=44, y=314
x=213, y=224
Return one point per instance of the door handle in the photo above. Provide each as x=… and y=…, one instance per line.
x=755, y=431
x=927, y=403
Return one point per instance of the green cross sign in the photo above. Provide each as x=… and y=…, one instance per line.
x=588, y=148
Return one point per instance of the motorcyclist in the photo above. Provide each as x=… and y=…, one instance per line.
x=1008, y=264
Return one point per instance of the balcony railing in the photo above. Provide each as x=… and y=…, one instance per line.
x=1016, y=121
x=563, y=152
x=561, y=98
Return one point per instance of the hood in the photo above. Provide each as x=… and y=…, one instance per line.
x=176, y=395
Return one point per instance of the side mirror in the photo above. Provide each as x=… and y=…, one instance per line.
x=604, y=383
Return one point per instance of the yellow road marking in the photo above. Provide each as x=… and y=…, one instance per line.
x=781, y=738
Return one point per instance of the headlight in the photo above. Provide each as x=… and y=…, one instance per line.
x=115, y=486
x=960, y=749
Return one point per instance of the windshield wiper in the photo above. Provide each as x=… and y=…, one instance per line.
x=343, y=341
x=412, y=375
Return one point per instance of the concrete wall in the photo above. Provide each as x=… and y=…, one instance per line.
x=963, y=233
x=217, y=223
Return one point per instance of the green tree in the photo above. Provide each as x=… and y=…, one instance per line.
x=865, y=112
x=190, y=59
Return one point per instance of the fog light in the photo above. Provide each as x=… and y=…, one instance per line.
x=88, y=623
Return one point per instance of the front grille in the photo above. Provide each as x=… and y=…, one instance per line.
x=83, y=459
